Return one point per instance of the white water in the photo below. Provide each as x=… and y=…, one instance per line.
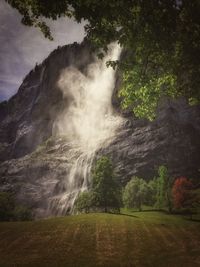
x=88, y=123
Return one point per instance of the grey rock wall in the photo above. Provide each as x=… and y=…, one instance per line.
x=26, y=120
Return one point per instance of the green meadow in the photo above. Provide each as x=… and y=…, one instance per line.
x=146, y=238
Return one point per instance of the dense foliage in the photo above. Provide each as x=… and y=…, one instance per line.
x=105, y=192
x=181, y=192
x=10, y=211
x=155, y=193
x=134, y=193
x=6, y=206
x=185, y=195
x=161, y=39
x=163, y=192
x=84, y=202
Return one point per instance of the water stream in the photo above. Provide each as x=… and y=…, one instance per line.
x=88, y=123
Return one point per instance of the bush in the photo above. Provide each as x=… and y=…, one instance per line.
x=134, y=194
x=7, y=206
x=9, y=211
x=84, y=202
x=22, y=213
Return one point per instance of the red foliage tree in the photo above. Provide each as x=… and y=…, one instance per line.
x=182, y=192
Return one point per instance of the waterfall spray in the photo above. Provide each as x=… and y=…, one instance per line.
x=88, y=124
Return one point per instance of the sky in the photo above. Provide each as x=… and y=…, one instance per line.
x=21, y=47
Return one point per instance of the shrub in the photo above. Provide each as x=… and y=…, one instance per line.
x=84, y=202
x=135, y=193
x=9, y=211
x=22, y=213
x=7, y=206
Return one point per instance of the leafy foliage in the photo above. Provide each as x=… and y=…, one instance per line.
x=182, y=192
x=134, y=193
x=164, y=184
x=6, y=206
x=9, y=211
x=151, y=191
x=105, y=185
x=162, y=40
x=22, y=213
x=105, y=193
x=84, y=202
x=143, y=96
x=185, y=196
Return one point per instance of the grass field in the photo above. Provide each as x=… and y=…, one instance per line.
x=135, y=239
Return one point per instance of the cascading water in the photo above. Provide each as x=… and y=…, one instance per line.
x=88, y=124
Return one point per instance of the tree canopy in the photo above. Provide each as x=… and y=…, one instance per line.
x=105, y=186
x=164, y=184
x=161, y=39
x=105, y=192
x=135, y=193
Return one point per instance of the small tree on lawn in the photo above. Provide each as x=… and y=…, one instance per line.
x=150, y=198
x=163, y=195
x=185, y=196
x=105, y=186
x=181, y=192
x=134, y=193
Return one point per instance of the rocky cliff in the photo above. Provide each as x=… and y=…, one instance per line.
x=34, y=163
x=26, y=119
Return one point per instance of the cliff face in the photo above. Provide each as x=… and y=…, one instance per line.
x=172, y=139
x=33, y=164
x=26, y=119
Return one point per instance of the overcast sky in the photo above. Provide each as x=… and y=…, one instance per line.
x=21, y=47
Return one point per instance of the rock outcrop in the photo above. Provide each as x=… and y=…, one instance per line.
x=33, y=163
x=26, y=120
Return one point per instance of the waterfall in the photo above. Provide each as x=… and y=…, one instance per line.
x=88, y=123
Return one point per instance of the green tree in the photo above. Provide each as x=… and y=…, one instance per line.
x=22, y=213
x=105, y=185
x=161, y=39
x=164, y=185
x=7, y=206
x=134, y=193
x=10, y=211
x=151, y=190
x=84, y=202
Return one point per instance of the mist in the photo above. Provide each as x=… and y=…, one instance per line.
x=90, y=119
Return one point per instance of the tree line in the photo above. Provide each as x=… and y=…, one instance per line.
x=163, y=192
x=106, y=194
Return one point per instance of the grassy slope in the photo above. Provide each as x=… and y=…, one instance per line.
x=137, y=239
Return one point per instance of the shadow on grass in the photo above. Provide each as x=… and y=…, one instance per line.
x=149, y=210
x=192, y=220
x=129, y=215
x=122, y=214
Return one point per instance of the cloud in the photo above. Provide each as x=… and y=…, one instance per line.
x=21, y=47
